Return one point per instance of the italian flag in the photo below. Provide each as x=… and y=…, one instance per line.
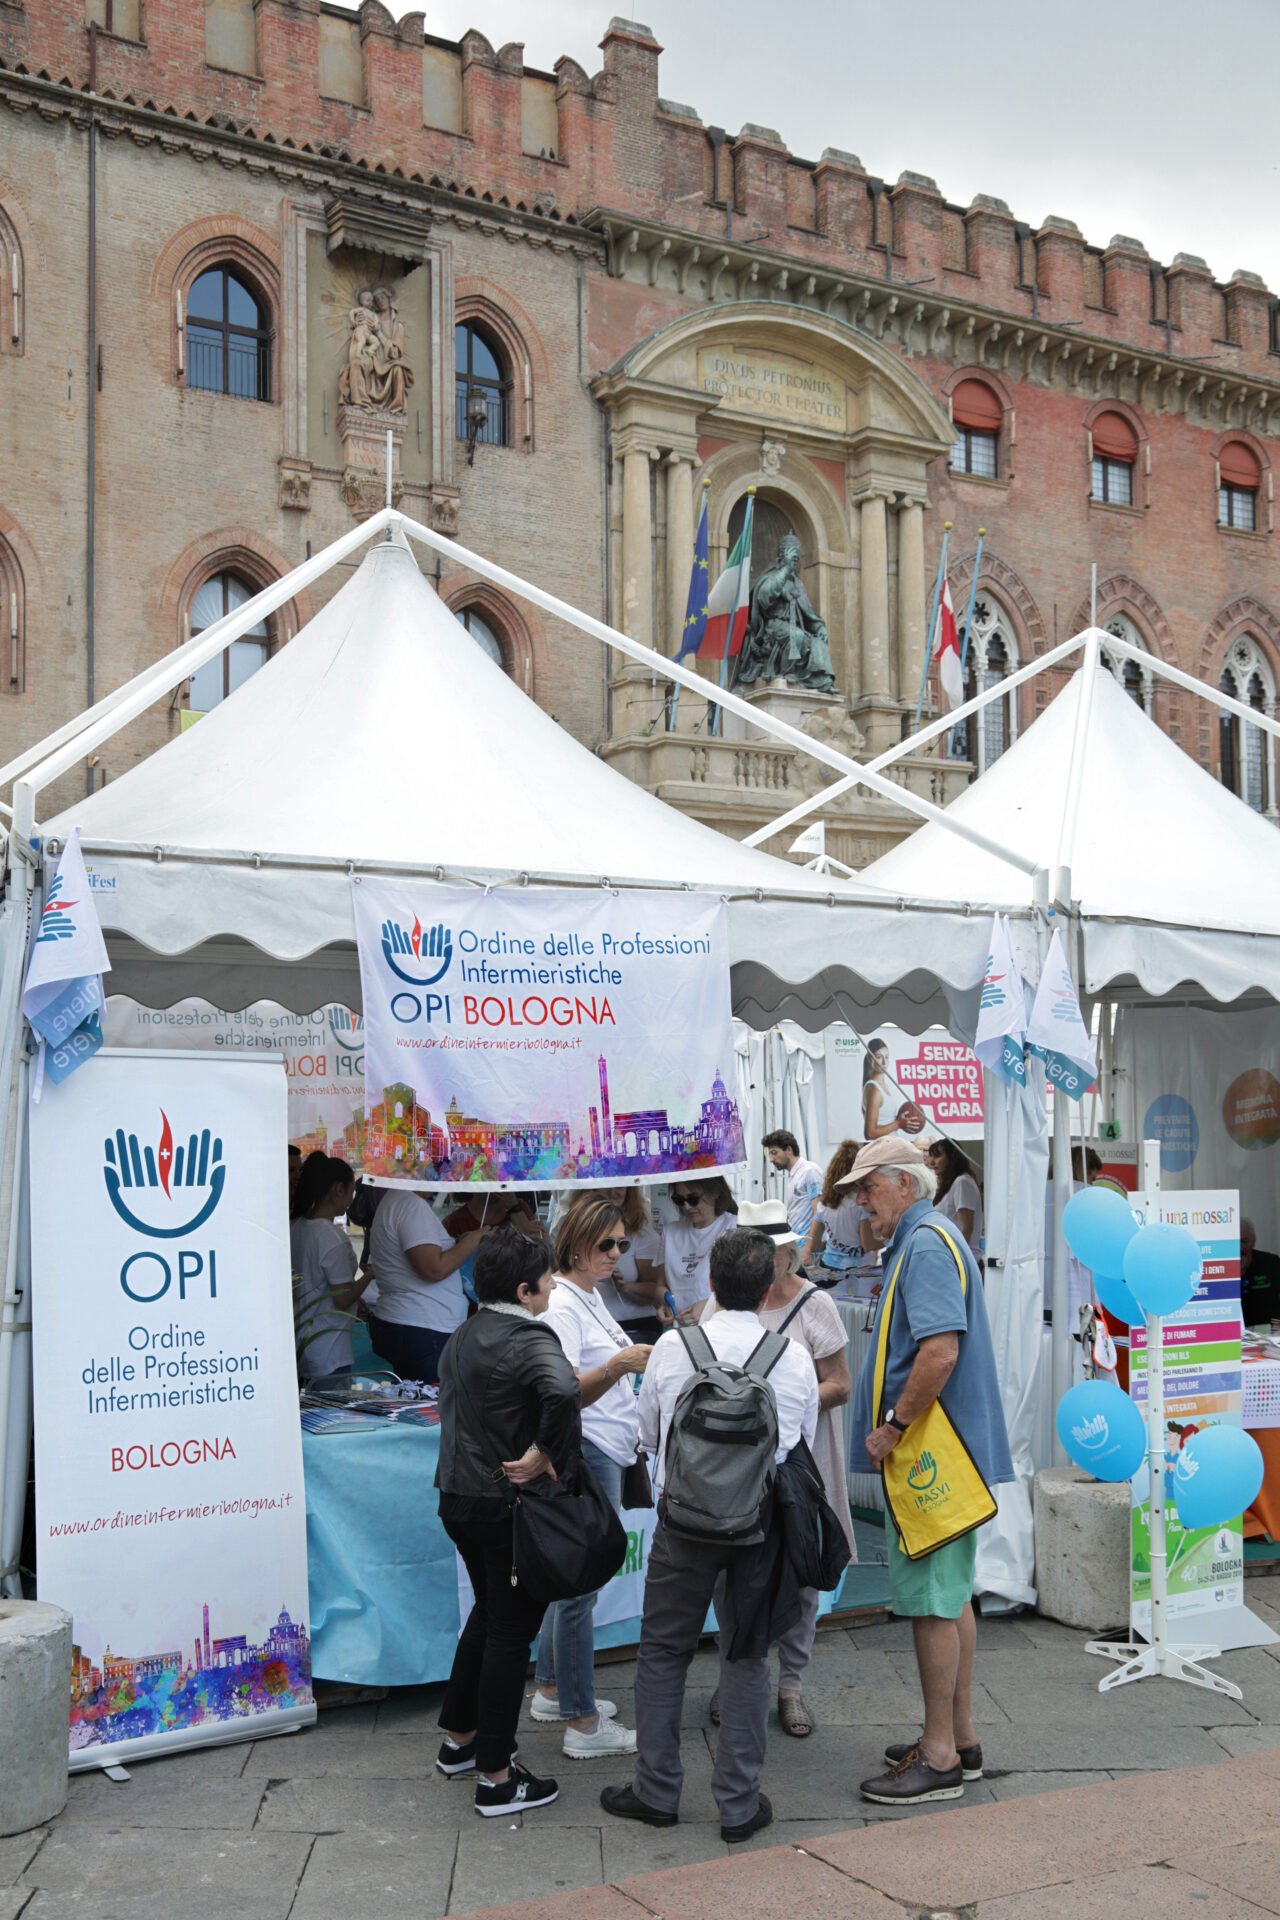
x=728, y=603
x=946, y=651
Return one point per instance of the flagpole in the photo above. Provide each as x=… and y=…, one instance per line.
x=744, y=561
x=968, y=620
x=933, y=621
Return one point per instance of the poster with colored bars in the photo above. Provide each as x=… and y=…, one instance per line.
x=1201, y=1389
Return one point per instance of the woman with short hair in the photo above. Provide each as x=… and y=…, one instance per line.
x=323, y=1262
x=509, y=1406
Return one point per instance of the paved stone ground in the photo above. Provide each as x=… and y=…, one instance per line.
x=351, y=1819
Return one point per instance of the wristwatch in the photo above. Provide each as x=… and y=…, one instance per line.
x=891, y=1420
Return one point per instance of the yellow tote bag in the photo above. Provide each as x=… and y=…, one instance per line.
x=932, y=1487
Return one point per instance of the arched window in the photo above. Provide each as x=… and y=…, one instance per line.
x=976, y=413
x=1239, y=477
x=211, y=683
x=483, y=634
x=1135, y=680
x=1115, y=451
x=228, y=337
x=1246, y=755
x=992, y=655
x=481, y=378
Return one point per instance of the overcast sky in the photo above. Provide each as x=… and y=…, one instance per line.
x=1125, y=116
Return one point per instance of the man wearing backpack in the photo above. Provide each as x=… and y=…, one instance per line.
x=721, y=1406
x=927, y=1416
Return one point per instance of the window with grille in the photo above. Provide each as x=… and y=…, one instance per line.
x=483, y=634
x=1238, y=508
x=975, y=452
x=211, y=683
x=991, y=655
x=1245, y=752
x=228, y=337
x=1135, y=679
x=480, y=377
x=1112, y=481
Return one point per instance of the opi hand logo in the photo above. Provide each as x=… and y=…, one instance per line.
x=1092, y=1433
x=923, y=1473
x=162, y=1180
x=416, y=947
x=56, y=922
x=1186, y=1470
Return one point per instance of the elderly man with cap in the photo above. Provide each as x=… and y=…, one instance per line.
x=807, y=1315
x=931, y=1347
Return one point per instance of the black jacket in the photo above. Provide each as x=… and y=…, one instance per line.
x=803, y=1547
x=505, y=1385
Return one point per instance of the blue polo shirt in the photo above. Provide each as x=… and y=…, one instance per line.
x=928, y=1299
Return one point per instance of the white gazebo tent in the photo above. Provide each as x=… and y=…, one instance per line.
x=229, y=854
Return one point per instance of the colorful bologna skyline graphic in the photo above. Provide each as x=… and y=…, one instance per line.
x=129, y=1696
x=402, y=1137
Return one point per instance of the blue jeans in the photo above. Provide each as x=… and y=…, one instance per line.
x=567, y=1645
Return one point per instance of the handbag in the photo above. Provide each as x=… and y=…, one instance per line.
x=932, y=1487
x=637, y=1487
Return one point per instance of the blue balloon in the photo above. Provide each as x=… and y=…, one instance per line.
x=1117, y=1299
x=1102, y=1430
x=1099, y=1224
x=1217, y=1476
x=1162, y=1268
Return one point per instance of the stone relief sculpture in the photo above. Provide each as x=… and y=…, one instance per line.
x=785, y=639
x=375, y=378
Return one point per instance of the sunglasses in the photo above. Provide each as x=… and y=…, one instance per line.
x=607, y=1246
x=687, y=1199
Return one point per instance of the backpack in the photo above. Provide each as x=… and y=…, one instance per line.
x=721, y=1445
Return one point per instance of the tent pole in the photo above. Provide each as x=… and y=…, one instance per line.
x=1254, y=715
x=914, y=741
x=730, y=702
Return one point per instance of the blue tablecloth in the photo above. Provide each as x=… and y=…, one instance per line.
x=382, y=1572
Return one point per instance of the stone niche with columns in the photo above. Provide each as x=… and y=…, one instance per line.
x=836, y=436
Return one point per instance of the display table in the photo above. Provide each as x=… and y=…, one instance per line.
x=386, y=1608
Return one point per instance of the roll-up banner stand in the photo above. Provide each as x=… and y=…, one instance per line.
x=170, y=1508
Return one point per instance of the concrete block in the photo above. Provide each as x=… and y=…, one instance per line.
x=35, y=1701
x=1082, y=1548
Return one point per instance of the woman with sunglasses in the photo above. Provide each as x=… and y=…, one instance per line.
x=704, y=1210
x=590, y=1241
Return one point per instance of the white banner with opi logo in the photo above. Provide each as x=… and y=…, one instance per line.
x=544, y=1035
x=170, y=1509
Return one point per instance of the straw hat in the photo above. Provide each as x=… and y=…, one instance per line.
x=891, y=1150
x=768, y=1216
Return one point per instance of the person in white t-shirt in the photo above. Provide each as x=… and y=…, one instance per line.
x=841, y=1252
x=803, y=1179
x=420, y=1295
x=959, y=1196
x=633, y=1291
x=705, y=1210
x=323, y=1261
x=588, y=1246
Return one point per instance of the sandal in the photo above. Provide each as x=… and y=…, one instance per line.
x=794, y=1716
x=713, y=1711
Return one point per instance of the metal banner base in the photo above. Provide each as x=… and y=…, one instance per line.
x=1174, y=1663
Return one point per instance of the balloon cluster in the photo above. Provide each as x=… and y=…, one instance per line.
x=1139, y=1271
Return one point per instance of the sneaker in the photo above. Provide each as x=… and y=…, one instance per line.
x=605, y=1739
x=520, y=1791
x=453, y=1759
x=970, y=1758
x=913, y=1781
x=762, y=1817
x=539, y=1710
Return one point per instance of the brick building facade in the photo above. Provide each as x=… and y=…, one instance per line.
x=638, y=304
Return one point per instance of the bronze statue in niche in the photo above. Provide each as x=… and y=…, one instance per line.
x=785, y=639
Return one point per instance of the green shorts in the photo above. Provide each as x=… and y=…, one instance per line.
x=936, y=1587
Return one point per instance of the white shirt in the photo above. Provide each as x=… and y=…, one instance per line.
x=322, y=1258
x=590, y=1335
x=963, y=1192
x=804, y=1184
x=733, y=1337
x=688, y=1258
x=404, y=1220
x=645, y=1245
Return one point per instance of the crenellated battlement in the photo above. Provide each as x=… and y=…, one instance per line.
x=386, y=95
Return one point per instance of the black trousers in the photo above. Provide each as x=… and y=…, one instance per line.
x=414, y=1352
x=486, y=1686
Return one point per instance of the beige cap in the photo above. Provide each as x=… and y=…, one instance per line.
x=891, y=1150
x=768, y=1216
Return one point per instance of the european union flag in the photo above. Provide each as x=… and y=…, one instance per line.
x=695, y=613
